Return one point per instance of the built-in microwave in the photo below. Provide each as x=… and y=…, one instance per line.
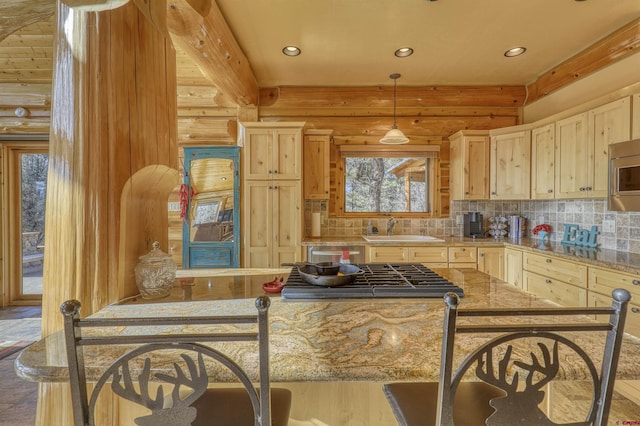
x=624, y=176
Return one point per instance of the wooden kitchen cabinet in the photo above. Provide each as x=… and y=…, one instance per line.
x=469, y=165
x=558, y=280
x=272, y=223
x=431, y=257
x=272, y=150
x=511, y=166
x=316, y=164
x=543, y=162
x=513, y=267
x=272, y=193
x=582, y=149
x=463, y=257
x=608, y=124
x=491, y=261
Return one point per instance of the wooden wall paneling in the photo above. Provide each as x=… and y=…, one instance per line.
x=616, y=46
x=207, y=130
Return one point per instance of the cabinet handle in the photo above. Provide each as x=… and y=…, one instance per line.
x=548, y=260
x=548, y=281
x=635, y=310
x=635, y=282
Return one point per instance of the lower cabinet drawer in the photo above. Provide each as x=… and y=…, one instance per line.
x=553, y=267
x=463, y=254
x=388, y=254
x=428, y=254
x=604, y=281
x=632, y=325
x=554, y=290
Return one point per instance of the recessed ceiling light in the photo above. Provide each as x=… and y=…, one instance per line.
x=403, y=52
x=291, y=50
x=516, y=51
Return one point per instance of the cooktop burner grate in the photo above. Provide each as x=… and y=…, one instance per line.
x=397, y=280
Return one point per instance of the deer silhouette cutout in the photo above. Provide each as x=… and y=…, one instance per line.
x=520, y=406
x=180, y=412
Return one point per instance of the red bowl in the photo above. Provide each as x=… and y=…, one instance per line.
x=275, y=286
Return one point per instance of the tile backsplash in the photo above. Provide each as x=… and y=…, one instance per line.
x=556, y=213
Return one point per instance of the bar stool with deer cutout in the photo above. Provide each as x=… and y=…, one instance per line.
x=502, y=379
x=179, y=356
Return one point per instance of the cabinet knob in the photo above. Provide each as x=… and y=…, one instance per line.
x=269, y=171
x=635, y=282
x=635, y=310
x=481, y=254
x=548, y=260
x=463, y=249
x=493, y=192
x=589, y=188
x=275, y=172
x=549, y=191
x=582, y=188
x=548, y=281
x=466, y=193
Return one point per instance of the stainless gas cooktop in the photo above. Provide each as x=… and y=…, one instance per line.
x=382, y=280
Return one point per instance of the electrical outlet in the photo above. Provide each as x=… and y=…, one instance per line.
x=609, y=226
x=459, y=219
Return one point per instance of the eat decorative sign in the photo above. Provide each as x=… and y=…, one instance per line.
x=575, y=236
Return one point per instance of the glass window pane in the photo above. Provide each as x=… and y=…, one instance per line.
x=33, y=188
x=387, y=185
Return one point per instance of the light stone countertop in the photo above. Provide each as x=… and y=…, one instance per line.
x=613, y=259
x=371, y=340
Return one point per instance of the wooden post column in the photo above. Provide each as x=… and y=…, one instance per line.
x=113, y=162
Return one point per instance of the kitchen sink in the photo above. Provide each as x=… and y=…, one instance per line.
x=401, y=238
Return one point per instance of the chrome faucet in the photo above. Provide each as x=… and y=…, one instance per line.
x=390, y=224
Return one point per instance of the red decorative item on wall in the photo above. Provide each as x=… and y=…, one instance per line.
x=185, y=192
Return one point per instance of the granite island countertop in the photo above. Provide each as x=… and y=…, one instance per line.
x=371, y=340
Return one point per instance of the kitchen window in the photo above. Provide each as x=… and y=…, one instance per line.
x=381, y=180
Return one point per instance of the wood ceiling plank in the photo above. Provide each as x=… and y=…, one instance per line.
x=618, y=45
x=15, y=14
x=387, y=111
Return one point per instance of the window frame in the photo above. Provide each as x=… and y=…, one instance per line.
x=387, y=151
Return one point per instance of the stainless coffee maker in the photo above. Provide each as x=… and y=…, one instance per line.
x=473, y=225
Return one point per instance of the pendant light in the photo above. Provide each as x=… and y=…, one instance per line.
x=395, y=135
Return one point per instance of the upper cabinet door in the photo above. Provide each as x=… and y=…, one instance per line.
x=287, y=154
x=543, y=162
x=511, y=166
x=469, y=165
x=272, y=153
x=608, y=124
x=572, y=157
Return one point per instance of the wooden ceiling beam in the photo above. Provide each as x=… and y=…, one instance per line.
x=200, y=30
x=382, y=96
x=616, y=46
